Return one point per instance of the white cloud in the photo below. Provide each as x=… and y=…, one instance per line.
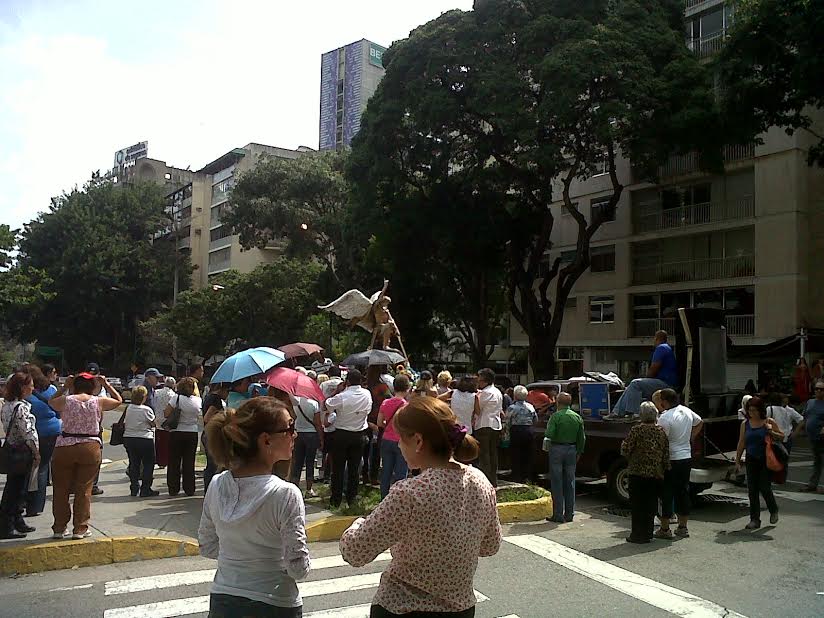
x=79, y=84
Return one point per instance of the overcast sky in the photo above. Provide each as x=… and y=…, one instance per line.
x=80, y=79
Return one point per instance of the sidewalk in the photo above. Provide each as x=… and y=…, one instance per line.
x=154, y=527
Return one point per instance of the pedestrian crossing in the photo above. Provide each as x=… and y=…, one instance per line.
x=190, y=592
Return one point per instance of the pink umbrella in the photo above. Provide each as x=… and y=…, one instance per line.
x=294, y=383
x=295, y=350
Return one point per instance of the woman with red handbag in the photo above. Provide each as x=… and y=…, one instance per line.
x=756, y=430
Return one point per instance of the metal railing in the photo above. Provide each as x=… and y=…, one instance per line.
x=688, y=163
x=653, y=218
x=696, y=4
x=185, y=243
x=694, y=270
x=222, y=265
x=708, y=45
x=737, y=326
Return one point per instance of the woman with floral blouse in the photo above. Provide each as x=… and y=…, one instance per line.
x=646, y=448
x=437, y=524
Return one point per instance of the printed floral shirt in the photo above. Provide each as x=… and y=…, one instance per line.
x=647, y=451
x=436, y=525
x=23, y=428
x=80, y=417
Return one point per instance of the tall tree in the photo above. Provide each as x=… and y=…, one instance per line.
x=771, y=68
x=104, y=248
x=530, y=97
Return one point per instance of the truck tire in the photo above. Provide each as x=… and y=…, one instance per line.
x=618, y=482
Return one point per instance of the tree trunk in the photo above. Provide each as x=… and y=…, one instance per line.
x=542, y=355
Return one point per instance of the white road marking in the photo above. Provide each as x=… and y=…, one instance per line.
x=647, y=590
x=193, y=578
x=801, y=464
x=80, y=587
x=362, y=611
x=795, y=496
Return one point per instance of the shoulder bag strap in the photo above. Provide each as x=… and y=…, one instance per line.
x=13, y=416
x=123, y=416
x=303, y=414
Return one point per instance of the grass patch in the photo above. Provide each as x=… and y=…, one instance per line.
x=521, y=493
x=200, y=459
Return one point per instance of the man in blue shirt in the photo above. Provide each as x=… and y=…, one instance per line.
x=662, y=373
x=814, y=424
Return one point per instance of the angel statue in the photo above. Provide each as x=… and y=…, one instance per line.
x=372, y=314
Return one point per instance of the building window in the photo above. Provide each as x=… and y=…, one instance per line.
x=601, y=309
x=221, y=256
x=602, y=205
x=223, y=231
x=602, y=259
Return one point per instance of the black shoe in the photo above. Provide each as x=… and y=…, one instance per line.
x=151, y=493
x=23, y=527
x=27, y=515
x=12, y=534
x=133, y=492
x=96, y=491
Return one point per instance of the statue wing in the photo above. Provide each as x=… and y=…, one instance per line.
x=351, y=305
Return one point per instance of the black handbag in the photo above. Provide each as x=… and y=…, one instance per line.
x=174, y=418
x=118, y=429
x=15, y=459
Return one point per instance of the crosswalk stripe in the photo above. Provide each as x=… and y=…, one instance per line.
x=192, y=578
x=362, y=611
x=649, y=591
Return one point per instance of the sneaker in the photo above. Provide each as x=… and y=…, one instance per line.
x=774, y=518
x=82, y=535
x=682, y=532
x=312, y=493
x=61, y=535
x=96, y=491
x=753, y=525
x=12, y=534
x=151, y=493
x=662, y=533
x=27, y=515
x=22, y=526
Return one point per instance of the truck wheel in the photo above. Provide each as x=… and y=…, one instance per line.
x=618, y=482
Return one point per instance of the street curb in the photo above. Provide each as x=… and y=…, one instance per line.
x=24, y=559
x=332, y=528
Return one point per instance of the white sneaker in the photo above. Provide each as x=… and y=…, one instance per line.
x=85, y=535
x=61, y=535
x=312, y=493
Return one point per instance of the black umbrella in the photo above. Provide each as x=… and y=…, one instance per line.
x=373, y=357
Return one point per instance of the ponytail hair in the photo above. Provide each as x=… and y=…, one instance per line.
x=233, y=434
x=439, y=428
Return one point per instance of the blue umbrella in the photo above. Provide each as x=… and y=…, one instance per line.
x=247, y=363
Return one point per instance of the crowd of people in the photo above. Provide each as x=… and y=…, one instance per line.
x=374, y=425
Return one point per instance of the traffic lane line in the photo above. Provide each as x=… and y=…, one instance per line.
x=649, y=591
x=362, y=610
x=193, y=578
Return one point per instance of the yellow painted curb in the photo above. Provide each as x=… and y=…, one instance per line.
x=23, y=559
x=329, y=528
x=528, y=510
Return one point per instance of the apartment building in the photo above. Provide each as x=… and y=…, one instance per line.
x=746, y=241
x=198, y=206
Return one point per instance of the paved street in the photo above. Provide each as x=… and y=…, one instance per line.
x=543, y=569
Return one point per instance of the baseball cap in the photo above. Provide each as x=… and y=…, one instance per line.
x=151, y=371
x=93, y=368
x=86, y=375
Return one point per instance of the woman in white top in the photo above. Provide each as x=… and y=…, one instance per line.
x=464, y=401
x=254, y=522
x=183, y=438
x=138, y=439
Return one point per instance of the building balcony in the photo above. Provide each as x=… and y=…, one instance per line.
x=652, y=218
x=737, y=326
x=219, y=266
x=708, y=45
x=185, y=243
x=220, y=243
x=696, y=6
x=694, y=270
x=689, y=163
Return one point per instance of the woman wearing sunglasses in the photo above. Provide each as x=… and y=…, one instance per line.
x=253, y=522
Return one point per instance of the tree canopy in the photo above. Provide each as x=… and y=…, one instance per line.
x=772, y=68
x=101, y=254
x=523, y=99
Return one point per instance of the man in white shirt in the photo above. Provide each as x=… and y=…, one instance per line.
x=681, y=425
x=787, y=418
x=487, y=425
x=351, y=406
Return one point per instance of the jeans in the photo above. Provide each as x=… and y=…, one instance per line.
x=562, y=460
x=376, y=611
x=372, y=456
x=230, y=606
x=676, y=490
x=306, y=447
x=817, y=447
x=36, y=500
x=347, y=452
x=14, y=497
x=394, y=465
x=643, y=498
x=141, y=452
x=758, y=482
x=211, y=465
x=520, y=452
x=182, y=452
x=74, y=468
x=638, y=390
x=488, y=439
